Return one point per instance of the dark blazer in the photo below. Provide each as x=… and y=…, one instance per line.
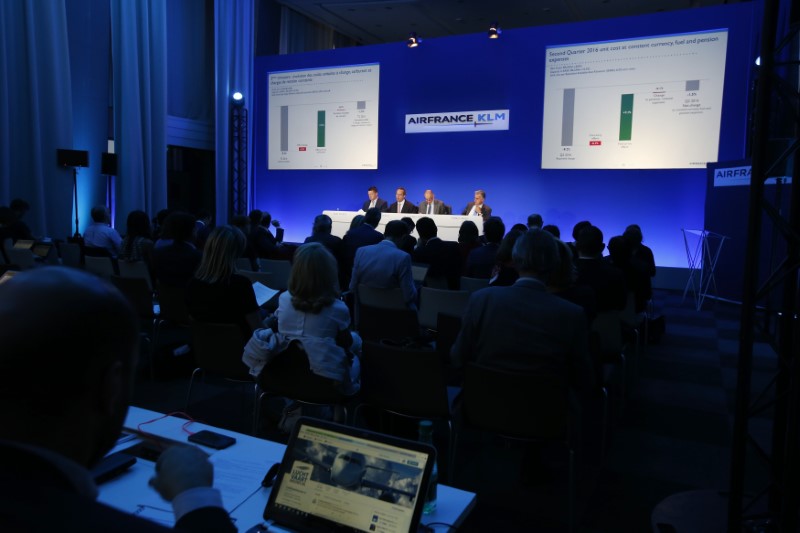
x=443, y=259
x=35, y=496
x=331, y=242
x=481, y=261
x=438, y=208
x=408, y=207
x=607, y=281
x=487, y=211
x=380, y=203
x=362, y=235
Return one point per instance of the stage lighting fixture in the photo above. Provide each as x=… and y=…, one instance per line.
x=238, y=98
x=494, y=30
x=413, y=40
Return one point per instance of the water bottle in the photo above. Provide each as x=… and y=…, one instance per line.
x=426, y=436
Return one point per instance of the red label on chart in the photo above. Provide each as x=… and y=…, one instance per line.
x=302, y=148
x=595, y=143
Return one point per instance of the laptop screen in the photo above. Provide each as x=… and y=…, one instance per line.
x=340, y=478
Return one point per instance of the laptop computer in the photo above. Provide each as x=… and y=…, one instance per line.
x=339, y=478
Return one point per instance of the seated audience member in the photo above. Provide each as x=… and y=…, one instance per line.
x=374, y=201
x=401, y=205
x=523, y=327
x=158, y=223
x=385, y=266
x=431, y=206
x=202, y=228
x=522, y=228
x=562, y=283
x=242, y=223
x=100, y=234
x=481, y=260
x=355, y=222
x=6, y=232
x=262, y=240
x=504, y=272
x=175, y=257
x=477, y=207
x=442, y=257
x=312, y=313
x=363, y=234
x=137, y=245
x=535, y=221
x=576, y=229
x=19, y=229
x=321, y=233
x=217, y=293
x=408, y=242
x=468, y=240
x=56, y=427
x=552, y=230
x=642, y=258
x=607, y=280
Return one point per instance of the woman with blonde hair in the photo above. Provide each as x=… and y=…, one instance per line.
x=312, y=313
x=217, y=293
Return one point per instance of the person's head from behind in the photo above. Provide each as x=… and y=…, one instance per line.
x=536, y=255
x=322, y=224
x=565, y=275
x=372, y=217
x=522, y=228
x=224, y=246
x=138, y=224
x=590, y=242
x=242, y=222
x=410, y=223
x=552, y=230
x=633, y=234
x=255, y=217
x=19, y=207
x=535, y=221
x=468, y=232
x=395, y=230
x=507, y=246
x=494, y=229
x=356, y=222
x=66, y=367
x=619, y=248
x=426, y=228
x=178, y=226
x=314, y=279
x=266, y=219
x=576, y=229
x=100, y=214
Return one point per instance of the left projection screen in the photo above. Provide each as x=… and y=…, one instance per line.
x=324, y=118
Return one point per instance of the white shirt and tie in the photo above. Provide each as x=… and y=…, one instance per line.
x=400, y=206
x=430, y=209
x=372, y=203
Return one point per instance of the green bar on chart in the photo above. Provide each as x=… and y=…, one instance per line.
x=321, y=129
x=626, y=117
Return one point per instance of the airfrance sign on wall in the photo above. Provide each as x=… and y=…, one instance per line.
x=739, y=176
x=491, y=120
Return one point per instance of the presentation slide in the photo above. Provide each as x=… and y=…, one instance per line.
x=324, y=118
x=646, y=103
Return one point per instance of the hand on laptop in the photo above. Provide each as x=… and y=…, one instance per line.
x=180, y=468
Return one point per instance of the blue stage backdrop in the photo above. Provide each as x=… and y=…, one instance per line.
x=474, y=73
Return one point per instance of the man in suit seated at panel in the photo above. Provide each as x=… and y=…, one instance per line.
x=442, y=257
x=374, y=201
x=523, y=326
x=431, y=206
x=385, y=266
x=60, y=415
x=478, y=207
x=401, y=205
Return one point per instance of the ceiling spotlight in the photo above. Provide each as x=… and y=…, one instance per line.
x=413, y=41
x=494, y=30
x=238, y=98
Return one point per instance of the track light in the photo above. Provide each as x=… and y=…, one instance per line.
x=494, y=30
x=413, y=41
x=238, y=98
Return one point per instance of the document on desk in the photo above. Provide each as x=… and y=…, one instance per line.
x=237, y=476
x=263, y=293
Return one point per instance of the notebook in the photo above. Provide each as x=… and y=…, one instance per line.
x=338, y=478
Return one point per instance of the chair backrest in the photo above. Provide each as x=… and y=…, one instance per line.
x=402, y=380
x=515, y=404
x=244, y=263
x=418, y=272
x=138, y=293
x=376, y=323
x=434, y=301
x=607, y=327
x=629, y=316
x=447, y=330
x=381, y=298
x=172, y=304
x=473, y=284
x=102, y=266
x=278, y=271
x=23, y=258
x=218, y=348
x=70, y=253
x=288, y=374
x=135, y=269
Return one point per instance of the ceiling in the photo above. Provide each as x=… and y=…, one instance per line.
x=384, y=21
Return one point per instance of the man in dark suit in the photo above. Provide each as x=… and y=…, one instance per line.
x=442, y=257
x=401, y=205
x=478, y=206
x=607, y=280
x=374, y=201
x=321, y=233
x=431, y=206
x=523, y=326
x=482, y=259
x=55, y=426
x=364, y=234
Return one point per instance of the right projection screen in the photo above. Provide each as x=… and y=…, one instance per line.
x=647, y=103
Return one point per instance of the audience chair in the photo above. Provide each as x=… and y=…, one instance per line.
x=608, y=350
x=140, y=295
x=519, y=406
x=245, y=264
x=278, y=271
x=70, y=253
x=407, y=382
x=288, y=375
x=473, y=284
x=217, y=350
x=172, y=312
x=434, y=301
x=101, y=265
x=419, y=272
x=135, y=269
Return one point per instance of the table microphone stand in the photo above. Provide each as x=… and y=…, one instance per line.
x=75, y=195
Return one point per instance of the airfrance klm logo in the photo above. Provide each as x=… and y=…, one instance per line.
x=484, y=120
